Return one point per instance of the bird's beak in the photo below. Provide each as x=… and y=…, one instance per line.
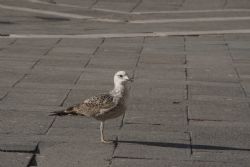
x=131, y=79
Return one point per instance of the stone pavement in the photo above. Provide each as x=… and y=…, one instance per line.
x=189, y=103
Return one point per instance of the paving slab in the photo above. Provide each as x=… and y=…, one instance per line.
x=160, y=145
x=226, y=137
x=35, y=97
x=162, y=163
x=18, y=122
x=233, y=111
x=84, y=154
x=15, y=159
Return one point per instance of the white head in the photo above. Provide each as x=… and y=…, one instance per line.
x=121, y=77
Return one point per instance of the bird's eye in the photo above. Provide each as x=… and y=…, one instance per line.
x=120, y=76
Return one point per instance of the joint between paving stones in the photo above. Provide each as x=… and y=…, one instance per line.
x=113, y=153
x=12, y=42
x=182, y=3
x=85, y=66
x=33, y=161
x=187, y=99
x=235, y=69
x=133, y=74
x=34, y=152
x=19, y=80
x=138, y=158
x=9, y=44
x=53, y=46
x=139, y=57
x=93, y=4
x=191, y=142
x=136, y=5
x=46, y=53
x=224, y=4
x=51, y=124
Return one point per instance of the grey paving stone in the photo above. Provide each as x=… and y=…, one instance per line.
x=156, y=144
x=76, y=50
x=158, y=6
x=192, y=4
x=207, y=39
x=134, y=42
x=100, y=74
x=51, y=75
x=126, y=162
x=119, y=5
x=156, y=92
x=155, y=72
x=199, y=47
x=17, y=143
x=75, y=122
x=78, y=43
x=226, y=91
x=246, y=86
x=7, y=64
x=117, y=51
x=110, y=61
x=239, y=37
x=168, y=122
x=35, y=97
x=162, y=59
x=3, y=92
x=233, y=158
x=220, y=136
x=212, y=74
x=212, y=59
x=62, y=62
x=95, y=154
x=238, y=45
x=8, y=77
x=22, y=50
x=5, y=42
x=151, y=50
x=35, y=43
x=14, y=159
x=233, y=111
x=28, y=107
x=77, y=2
x=243, y=69
x=243, y=4
x=20, y=122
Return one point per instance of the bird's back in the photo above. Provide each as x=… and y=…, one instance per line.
x=93, y=106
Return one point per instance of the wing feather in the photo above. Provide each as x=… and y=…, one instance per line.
x=95, y=105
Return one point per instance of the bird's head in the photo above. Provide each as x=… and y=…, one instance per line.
x=121, y=77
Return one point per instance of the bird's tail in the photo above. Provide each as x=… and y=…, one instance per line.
x=58, y=113
x=68, y=111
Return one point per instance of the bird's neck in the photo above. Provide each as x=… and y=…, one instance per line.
x=118, y=90
x=120, y=93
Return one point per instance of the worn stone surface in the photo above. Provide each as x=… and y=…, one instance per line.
x=15, y=159
x=189, y=102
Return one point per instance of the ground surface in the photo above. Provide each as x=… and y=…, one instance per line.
x=189, y=103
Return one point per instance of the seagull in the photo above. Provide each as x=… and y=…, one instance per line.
x=103, y=106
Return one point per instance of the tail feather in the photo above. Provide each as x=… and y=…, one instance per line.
x=59, y=113
x=68, y=111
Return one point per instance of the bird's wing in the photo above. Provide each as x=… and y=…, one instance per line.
x=94, y=106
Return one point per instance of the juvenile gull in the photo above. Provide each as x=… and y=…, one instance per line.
x=104, y=106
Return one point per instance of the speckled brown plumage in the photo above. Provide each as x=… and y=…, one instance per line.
x=93, y=106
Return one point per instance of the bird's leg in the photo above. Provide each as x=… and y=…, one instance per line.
x=102, y=134
x=122, y=122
